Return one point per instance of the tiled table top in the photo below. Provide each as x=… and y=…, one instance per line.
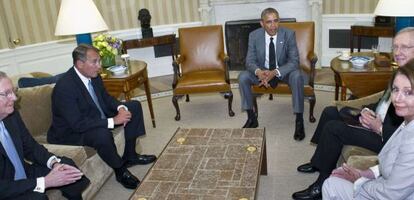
x=203, y=164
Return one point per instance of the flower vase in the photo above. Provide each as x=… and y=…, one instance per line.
x=108, y=61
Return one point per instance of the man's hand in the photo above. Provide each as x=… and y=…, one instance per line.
x=370, y=120
x=123, y=117
x=62, y=174
x=346, y=172
x=265, y=76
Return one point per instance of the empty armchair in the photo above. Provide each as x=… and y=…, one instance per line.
x=202, y=66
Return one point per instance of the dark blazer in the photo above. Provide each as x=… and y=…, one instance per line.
x=74, y=111
x=286, y=51
x=28, y=149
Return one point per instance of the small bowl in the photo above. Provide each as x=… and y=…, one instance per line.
x=117, y=70
x=359, y=62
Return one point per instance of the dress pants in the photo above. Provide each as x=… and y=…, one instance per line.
x=294, y=79
x=335, y=188
x=102, y=139
x=332, y=135
x=71, y=191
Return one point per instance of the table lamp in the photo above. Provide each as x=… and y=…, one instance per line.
x=80, y=18
x=403, y=10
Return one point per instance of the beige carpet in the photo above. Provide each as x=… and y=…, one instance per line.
x=284, y=154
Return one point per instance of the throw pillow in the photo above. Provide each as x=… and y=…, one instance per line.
x=25, y=82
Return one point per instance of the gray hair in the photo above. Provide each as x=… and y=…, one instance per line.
x=3, y=75
x=79, y=53
x=405, y=30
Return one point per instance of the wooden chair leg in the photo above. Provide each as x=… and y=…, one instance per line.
x=229, y=97
x=312, y=101
x=270, y=96
x=187, y=98
x=177, y=109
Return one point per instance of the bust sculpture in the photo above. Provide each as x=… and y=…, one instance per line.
x=144, y=17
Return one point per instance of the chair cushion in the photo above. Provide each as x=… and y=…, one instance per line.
x=200, y=82
x=362, y=162
x=282, y=88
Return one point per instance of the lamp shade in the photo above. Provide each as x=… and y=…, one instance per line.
x=395, y=8
x=79, y=17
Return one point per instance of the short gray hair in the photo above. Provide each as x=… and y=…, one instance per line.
x=3, y=75
x=405, y=30
x=269, y=11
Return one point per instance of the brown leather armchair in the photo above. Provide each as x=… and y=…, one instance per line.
x=202, y=66
x=305, y=34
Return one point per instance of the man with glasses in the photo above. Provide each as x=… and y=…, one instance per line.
x=272, y=56
x=28, y=180
x=332, y=133
x=84, y=113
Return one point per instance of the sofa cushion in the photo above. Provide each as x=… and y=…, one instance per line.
x=76, y=153
x=362, y=162
x=34, y=105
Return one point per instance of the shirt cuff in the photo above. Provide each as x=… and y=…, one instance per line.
x=111, y=123
x=255, y=71
x=122, y=106
x=278, y=72
x=50, y=162
x=40, y=185
x=375, y=170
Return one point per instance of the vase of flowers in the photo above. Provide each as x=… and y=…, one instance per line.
x=108, y=47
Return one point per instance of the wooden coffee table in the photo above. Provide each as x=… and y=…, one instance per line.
x=201, y=163
x=361, y=82
x=135, y=76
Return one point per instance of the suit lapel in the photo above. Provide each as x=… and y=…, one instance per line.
x=82, y=88
x=280, y=42
x=261, y=48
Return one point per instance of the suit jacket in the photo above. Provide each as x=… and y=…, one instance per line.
x=287, y=54
x=28, y=149
x=396, y=165
x=74, y=111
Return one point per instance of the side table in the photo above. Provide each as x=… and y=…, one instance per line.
x=135, y=76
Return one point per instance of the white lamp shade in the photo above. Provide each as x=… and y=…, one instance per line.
x=396, y=8
x=78, y=17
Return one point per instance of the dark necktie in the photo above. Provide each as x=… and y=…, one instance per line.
x=272, y=62
x=272, y=55
x=11, y=152
x=95, y=99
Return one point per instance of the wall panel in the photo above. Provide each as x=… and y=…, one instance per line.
x=36, y=20
x=349, y=6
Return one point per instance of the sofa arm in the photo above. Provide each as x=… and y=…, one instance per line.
x=362, y=162
x=358, y=103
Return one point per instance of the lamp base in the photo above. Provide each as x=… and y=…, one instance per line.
x=402, y=22
x=84, y=38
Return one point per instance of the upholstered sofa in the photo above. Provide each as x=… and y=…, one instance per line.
x=34, y=105
x=358, y=157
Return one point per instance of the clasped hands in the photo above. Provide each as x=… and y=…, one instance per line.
x=265, y=76
x=123, y=117
x=351, y=174
x=62, y=174
x=370, y=120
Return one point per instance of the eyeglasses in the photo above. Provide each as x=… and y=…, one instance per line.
x=403, y=48
x=9, y=93
x=405, y=92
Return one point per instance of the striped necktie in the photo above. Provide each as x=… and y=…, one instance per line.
x=95, y=99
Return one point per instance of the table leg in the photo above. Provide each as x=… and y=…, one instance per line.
x=337, y=82
x=343, y=93
x=359, y=43
x=149, y=100
x=263, y=170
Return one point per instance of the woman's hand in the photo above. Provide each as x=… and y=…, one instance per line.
x=346, y=172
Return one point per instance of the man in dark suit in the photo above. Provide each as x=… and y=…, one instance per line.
x=18, y=178
x=272, y=56
x=84, y=113
x=332, y=133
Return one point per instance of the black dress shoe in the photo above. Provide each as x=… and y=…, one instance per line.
x=128, y=180
x=307, y=168
x=313, y=192
x=251, y=123
x=299, y=131
x=139, y=159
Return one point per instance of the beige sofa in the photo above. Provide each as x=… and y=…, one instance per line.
x=34, y=105
x=358, y=157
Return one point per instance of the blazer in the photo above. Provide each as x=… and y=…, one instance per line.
x=396, y=166
x=28, y=149
x=287, y=54
x=73, y=110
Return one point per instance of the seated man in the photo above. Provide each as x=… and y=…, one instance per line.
x=272, y=56
x=84, y=113
x=19, y=179
x=332, y=133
